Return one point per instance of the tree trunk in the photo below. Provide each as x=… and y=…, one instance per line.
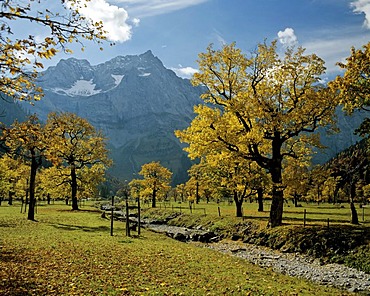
x=260, y=199
x=10, y=200
x=295, y=199
x=238, y=204
x=335, y=195
x=197, y=198
x=31, y=207
x=276, y=210
x=354, y=216
x=74, y=188
x=154, y=195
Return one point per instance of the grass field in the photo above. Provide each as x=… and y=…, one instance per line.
x=72, y=253
x=316, y=214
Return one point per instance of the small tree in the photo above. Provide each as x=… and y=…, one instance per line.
x=156, y=180
x=28, y=140
x=77, y=146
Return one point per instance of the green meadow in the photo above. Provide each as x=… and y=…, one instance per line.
x=72, y=253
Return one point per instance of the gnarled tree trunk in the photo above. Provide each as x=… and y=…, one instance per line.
x=74, y=188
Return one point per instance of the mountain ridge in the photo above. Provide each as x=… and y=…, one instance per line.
x=134, y=100
x=138, y=104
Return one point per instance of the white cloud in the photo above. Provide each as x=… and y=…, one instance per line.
x=362, y=6
x=135, y=21
x=184, y=72
x=144, y=8
x=336, y=49
x=115, y=19
x=287, y=37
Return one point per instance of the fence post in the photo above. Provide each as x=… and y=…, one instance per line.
x=138, y=216
x=111, y=217
x=304, y=218
x=127, y=217
x=363, y=213
x=219, y=211
x=328, y=222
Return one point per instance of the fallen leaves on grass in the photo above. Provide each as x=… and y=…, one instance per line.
x=46, y=259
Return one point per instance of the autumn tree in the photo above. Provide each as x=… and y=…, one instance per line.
x=350, y=169
x=353, y=87
x=181, y=191
x=156, y=180
x=53, y=182
x=12, y=171
x=20, y=53
x=76, y=145
x=296, y=175
x=238, y=177
x=28, y=140
x=259, y=107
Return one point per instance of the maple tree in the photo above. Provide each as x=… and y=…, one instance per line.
x=28, y=140
x=296, y=175
x=11, y=173
x=353, y=87
x=156, y=180
x=76, y=145
x=259, y=108
x=237, y=177
x=180, y=191
x=200, y=182
x=18, y=54
x=349, y=168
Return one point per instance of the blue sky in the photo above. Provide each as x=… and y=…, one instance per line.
x=178, y=30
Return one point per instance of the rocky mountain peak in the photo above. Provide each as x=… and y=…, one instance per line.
x=134, y=100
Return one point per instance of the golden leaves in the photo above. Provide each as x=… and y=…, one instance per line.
x=353, y=87
x=156, y=180
x=65, y=141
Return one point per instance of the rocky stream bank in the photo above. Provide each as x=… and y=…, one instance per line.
x=292, y=264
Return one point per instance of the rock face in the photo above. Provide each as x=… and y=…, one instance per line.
x=138, y=104
x=134, y=100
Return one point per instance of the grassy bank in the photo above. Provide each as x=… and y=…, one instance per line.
x=338, y=241
x=72, y=253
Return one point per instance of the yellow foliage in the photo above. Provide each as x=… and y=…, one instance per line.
x=261, y=108
x=353, y=87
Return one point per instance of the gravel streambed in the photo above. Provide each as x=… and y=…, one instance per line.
x=336, y=275
x=292, y=264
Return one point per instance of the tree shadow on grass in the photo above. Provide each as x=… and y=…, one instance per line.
x=20, y=280
x=318, y=214
x=256, y=218
x=83, y=228
x=79, y=210
x=18, y=286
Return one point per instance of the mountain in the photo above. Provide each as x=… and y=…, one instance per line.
x=10, y=110
x=138, y=103
x=337, y=142
x=134, y=100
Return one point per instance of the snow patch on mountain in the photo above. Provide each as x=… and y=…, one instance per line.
x=145, y=74
x=117, y=79
x=81, y=87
